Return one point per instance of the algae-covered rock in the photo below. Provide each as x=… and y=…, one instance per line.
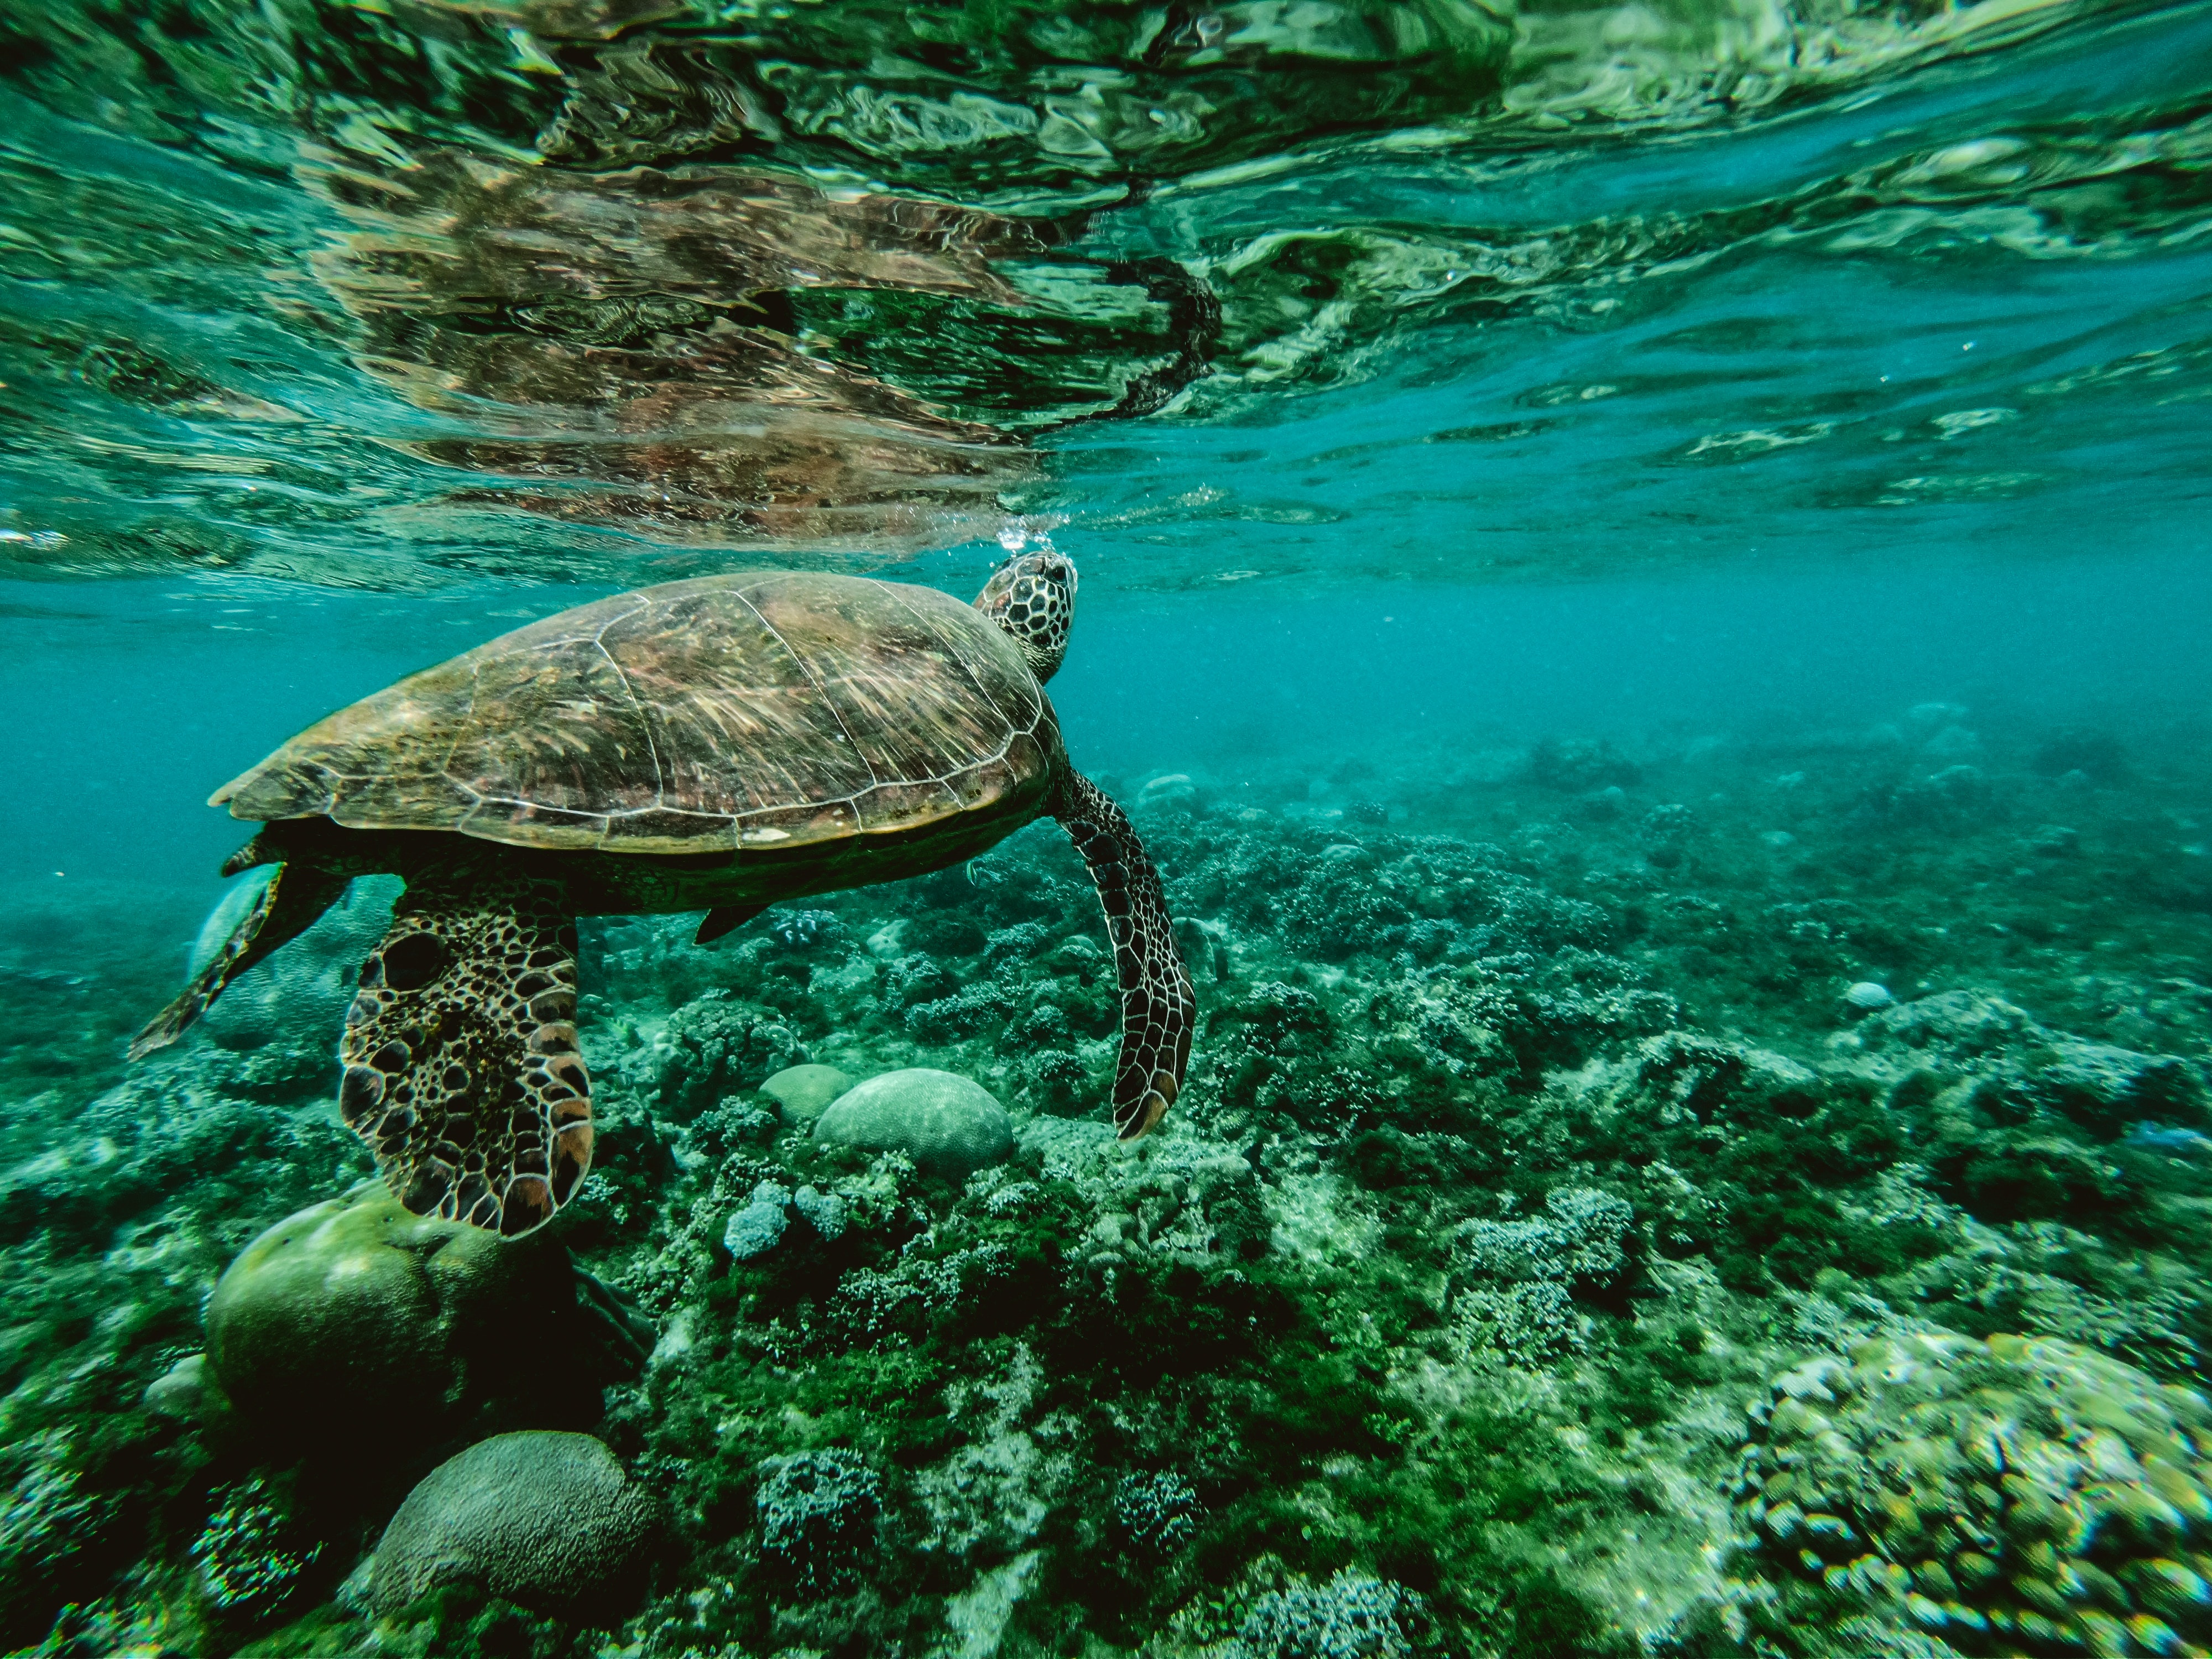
x=550, y=1522
x=2104, y=1089
x=818, y=1513
x=949, y=1125
x=1957, y=1025
x=1579, y=1238
x=355, y=1321
x=2020, y=1495
x=803, y=1091
x=184, y=1391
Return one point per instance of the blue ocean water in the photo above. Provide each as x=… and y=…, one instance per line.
x=1643, y=580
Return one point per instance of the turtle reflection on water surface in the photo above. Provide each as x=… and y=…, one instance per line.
x=719, y=744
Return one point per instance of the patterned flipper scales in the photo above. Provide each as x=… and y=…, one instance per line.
x=1158, y=1006
x=461, y=1066
x=295, y=896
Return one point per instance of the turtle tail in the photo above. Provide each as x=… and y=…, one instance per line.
x=1158, y=1006
x=296, y=895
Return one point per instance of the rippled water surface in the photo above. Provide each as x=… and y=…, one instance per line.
x=1643, y=580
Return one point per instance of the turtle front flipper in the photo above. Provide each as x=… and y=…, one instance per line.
x=461, y=1066
x=1157, y=1008
x=296, y=896
x=723, y=919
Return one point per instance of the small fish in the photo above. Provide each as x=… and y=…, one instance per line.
x=2167, y=1136
x=47, y=976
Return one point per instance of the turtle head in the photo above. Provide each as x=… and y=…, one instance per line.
x=1032, y=597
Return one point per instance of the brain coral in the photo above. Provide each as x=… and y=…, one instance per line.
x=2017, y=1496
x=548, y=1521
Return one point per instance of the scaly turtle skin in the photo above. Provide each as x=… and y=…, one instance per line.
x=720, y=744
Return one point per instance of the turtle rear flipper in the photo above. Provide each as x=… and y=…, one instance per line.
x=1158, y=1007
x=295, y=898
x=461, y=1066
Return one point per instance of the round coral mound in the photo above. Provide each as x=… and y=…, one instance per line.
x=550, y=1522
x=2017, y=1496
x=950, y=1125
x=355, y=1314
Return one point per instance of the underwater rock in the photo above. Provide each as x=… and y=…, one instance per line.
x=2054, y=841
x=356, y=1312
x=817, y=1514
x=1951, y=797
x=1710, y=1080
x=2094, y=756
x=1953, y=742
x=2105, y=1089
x=1580, y=766
x=2020, y=1495
x=949, y=1125
x=1603, y=805
x=1667, y=825
x=1956, y=1024
x=184, y=1391
x=802, y=1091
x=550, y=1522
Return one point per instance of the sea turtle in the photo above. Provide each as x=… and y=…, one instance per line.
x=717, y=743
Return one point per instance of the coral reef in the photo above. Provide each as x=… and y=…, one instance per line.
x=802, y=1091
x=1352, y=1616
x=1549, y=1105
x=2020, y=1495
x=243, y=1565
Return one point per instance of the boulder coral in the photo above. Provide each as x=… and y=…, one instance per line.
x=949, y=1125
x=355, y=1311
x=550, y=1522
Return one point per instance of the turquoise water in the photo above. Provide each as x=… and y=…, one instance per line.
x=1643, y=580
